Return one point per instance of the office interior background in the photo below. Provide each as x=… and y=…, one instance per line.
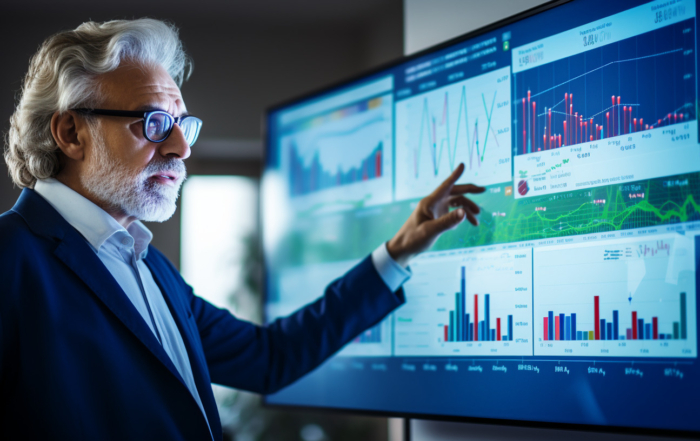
x=247, y=56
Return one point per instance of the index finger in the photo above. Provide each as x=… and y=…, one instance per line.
x=467, y=188
x=446, y=186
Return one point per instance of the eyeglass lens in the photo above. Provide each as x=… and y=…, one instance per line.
x=159, y=126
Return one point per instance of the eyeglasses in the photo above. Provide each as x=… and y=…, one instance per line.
x=157, y=124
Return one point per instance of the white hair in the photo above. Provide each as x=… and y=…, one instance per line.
x=62, y=75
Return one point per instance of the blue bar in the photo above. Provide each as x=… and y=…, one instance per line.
x=493, y=335
x=510, y=328
x=640, y=329
x=487, y=321
x=562, y=327
x=463, y=289
x=616, y=326
x=481, y=330
x=455, y=331
x=551, y=326
x=466, y=328
x=647, y=332
x=578, y=335
x=609, y=332
x=602, y=329
x=662, y=336
x=470, y=330
x=452, y=326
x=574, y=333
x=585, y=335
x=567, y=333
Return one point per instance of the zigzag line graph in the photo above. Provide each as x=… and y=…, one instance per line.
x=430, y=126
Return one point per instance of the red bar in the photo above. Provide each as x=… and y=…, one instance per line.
x=619, y=132
x=576, y=129
x=564, y=133
x=556, y=328
x=641, y=123
x=549, y=128
x=559, y=140
x=544, y=141
x=634, y=120
x=534, y=124
x=585, y=127
x=546, y=328
x=571, y=122
x=675, y=118
x=634, y=325
x=613, y=127
x=446, y=332
x=607, y=128
x=596, y=316
x=378, y=164
x=498, y=329
x=624, y=119
x=655, y=327
x=524, y=130
x=476, y=311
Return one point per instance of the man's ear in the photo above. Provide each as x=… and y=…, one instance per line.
x=70, y=132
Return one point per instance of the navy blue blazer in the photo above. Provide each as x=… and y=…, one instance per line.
x=78, y=362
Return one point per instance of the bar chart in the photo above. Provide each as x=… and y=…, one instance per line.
x=340, y=158
x=460, y=327
x=467, y=303
x=626, y=298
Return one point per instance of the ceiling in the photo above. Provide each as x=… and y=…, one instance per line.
x=267, y=12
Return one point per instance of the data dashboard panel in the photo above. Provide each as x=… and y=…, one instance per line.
x=575, y=299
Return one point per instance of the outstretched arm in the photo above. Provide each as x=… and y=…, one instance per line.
x=265, y=359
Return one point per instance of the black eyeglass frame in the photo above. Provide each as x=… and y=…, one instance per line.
x=145, y=115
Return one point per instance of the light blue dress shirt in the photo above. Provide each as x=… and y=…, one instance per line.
x=122, y=251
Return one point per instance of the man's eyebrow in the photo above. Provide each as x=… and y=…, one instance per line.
x=150, y=107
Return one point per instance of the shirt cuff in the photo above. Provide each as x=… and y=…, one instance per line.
x=393, y=274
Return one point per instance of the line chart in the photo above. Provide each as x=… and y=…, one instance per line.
x=615, y=112
x=428, y=134
x=467, y=121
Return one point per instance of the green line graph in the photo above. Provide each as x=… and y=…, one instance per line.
x=643, y=204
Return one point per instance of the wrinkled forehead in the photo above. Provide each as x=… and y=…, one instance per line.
x=137, y=87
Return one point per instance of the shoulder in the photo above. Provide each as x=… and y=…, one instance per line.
x=15, y=234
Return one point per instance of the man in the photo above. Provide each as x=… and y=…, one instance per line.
x=100, y=337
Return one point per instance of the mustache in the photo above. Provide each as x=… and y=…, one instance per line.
x=176, y=166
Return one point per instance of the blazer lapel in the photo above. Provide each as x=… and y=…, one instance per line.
x=190, y=336
x=75, y=252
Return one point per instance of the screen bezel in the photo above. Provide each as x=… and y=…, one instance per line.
x=436, y=417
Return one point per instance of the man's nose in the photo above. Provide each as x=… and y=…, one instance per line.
x=176, y=145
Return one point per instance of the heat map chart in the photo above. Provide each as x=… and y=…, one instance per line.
x=606, y=104
x=342, y=158
x=467, y=121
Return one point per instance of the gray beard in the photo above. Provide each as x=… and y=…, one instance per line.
x=119, y=189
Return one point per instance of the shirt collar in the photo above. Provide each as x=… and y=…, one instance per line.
x=95, y=224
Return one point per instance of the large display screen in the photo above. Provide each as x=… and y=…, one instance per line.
x=575, y=299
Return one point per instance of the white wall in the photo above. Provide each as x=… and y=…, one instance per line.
x=427, y=23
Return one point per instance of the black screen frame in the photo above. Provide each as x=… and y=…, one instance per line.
x=447, y=418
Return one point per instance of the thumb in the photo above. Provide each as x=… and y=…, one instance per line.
x=445, y=222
